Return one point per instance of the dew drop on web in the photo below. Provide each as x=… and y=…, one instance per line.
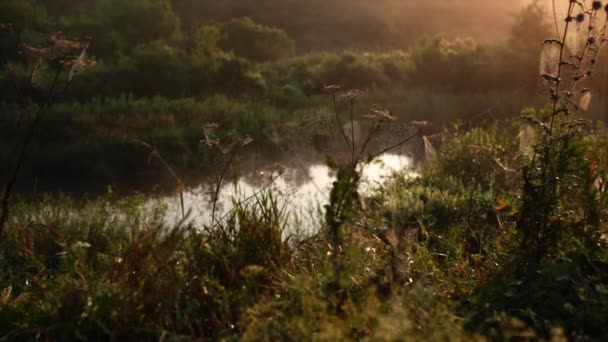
x=585, y=101
x=575, y=41
x=549, y=59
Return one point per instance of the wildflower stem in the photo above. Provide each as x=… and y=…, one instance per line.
x=560, y=66
x=220, y=180
x=352, y=128
x=27, y=140
x=338, y=121
x=419, y=132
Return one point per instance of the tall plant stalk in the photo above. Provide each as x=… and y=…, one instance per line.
x=547, y=178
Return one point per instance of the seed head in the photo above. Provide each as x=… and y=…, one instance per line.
x=597, y=5
x=380, y=115
x=350, y=95
x=580, y=17
x=332, y=89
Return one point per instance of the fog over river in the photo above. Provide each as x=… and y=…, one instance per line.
x=302, y=192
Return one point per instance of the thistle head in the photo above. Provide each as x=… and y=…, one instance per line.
x=596, y=5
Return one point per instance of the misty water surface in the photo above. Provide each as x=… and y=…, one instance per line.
x=302, y=192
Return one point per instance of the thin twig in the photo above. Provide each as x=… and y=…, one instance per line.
x=419, y=132
x=178, y=180
x=560, y=66
x=352, y=128
x=220, y=179
x=370, y=136
x=27, y=140
x=338, y=121
x=555, y=19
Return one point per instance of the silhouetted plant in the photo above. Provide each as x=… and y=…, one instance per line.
x=62, y=59
x=558, y=173
x=230, y=149
x=344, y=198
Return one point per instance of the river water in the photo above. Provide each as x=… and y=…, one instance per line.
x=301, y=191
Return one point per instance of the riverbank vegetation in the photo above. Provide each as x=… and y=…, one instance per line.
x=245, y=74
x=501, y=235
x=436, y=257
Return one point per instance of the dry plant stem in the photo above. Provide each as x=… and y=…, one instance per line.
x=352, y=128
x=419, y=132
x=220, y=180
x=581, y=58
x=27, y=140
x=178, y=180
x=556, y=100
x=560, y=66
x=579, y=67
x=555, y=18
x=13, y=79
x=581, y=61
x=369, y=138
x=338, y=121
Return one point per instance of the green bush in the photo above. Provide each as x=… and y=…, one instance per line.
x=255, y=42
x=96, y=140
x=116, y=25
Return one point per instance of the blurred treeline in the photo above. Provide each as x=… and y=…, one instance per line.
x=190, y=48
x=164, y=67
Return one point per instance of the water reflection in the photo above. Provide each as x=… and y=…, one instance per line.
x=301, y=190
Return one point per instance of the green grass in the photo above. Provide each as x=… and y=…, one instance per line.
x=431, y=258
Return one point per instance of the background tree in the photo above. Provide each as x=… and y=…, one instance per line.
x=255, y=42
x=118, y=26
x=531, y=27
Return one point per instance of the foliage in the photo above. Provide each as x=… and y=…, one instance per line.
x=433, y=261
x=104, y=131
x=205, y=47
x=119, y=23
x=255, y=42
x=318, y=25
x=531, y=26
x=496, y=237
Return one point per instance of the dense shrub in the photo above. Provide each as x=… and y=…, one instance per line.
x=337, y=25
x=349, y=69
x=96, y=140
x=255, y=42
x=491, y=239
x=116, y=26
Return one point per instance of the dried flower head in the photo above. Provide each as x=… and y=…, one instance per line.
x=33, y=52
x=350, y=95
x=580, y=17
x=380, y=115
x=420, y=124
x=211, y=125
x=332, y=88
x=66, y=46
x=596, y=5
